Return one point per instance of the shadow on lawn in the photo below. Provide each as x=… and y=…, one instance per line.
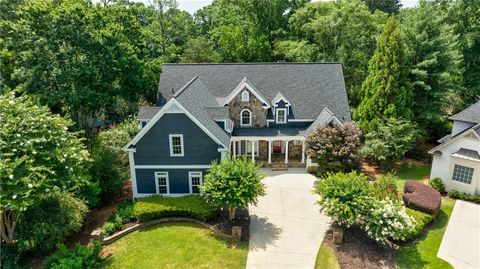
x=265, y=233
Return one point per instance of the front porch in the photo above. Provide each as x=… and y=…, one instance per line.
x=270, y=151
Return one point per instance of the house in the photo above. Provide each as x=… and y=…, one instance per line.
x=206, y=112
x=457, y=159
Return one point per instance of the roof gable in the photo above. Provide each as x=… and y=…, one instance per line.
x=245, y=84
x=470, y=114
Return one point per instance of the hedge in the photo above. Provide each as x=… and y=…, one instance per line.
x=475, y=198
x=421, y=197
x=189, y=206
x=421, y=220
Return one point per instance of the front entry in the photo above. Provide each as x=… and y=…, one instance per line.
x=278, y=147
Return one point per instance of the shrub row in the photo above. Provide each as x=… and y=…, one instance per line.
x=189, y=206
x=421, y=220
x=77, y=258
x=421, y=197
x=117, y=220
x=475, y=198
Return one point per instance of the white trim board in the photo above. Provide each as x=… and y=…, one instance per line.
x=171, y=166
x=175, y=105
x=242, y=85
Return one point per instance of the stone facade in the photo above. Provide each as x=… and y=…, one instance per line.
x=259, y=114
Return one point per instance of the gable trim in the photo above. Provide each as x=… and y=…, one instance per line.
x=172, y=103
x=244, y=84
x=470, y=131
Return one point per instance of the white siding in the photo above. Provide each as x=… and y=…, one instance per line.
x=442, y=166
x=459, y=126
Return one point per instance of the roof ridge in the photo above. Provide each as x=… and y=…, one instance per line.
x=185, y=87
x=253, y=63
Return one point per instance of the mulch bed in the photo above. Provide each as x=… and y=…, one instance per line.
x=223, y=224
x=359, y=251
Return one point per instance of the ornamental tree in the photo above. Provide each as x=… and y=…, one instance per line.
x=38, y=155
x=235, y=183
x=335, y=147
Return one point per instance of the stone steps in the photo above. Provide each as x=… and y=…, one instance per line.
x=279, y=167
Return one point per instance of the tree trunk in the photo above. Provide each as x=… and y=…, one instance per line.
x=8, y=221
x=231, y=213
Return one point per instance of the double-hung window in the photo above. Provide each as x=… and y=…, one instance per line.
x=196, y=180
x=161, y=179
x=245, y=118
x=176, y=145
x=462, y=174
x=281, y=115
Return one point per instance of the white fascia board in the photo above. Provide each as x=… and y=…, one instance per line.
x=300, y=120
x=172, y=166
x=453, y=140
x=171, y=103
x=267, y=138
x=240, y=86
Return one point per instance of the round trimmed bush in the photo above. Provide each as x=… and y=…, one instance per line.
x=437, y=184
x=421, y=197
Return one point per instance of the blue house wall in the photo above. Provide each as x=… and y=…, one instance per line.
x=178, y=180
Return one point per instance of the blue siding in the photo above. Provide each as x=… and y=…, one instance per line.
x=154, y=149
x=178, y=180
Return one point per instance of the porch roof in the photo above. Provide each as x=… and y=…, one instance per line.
x=268, y=131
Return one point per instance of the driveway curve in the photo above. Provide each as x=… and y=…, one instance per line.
x=286, y=227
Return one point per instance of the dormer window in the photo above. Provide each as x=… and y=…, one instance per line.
x=245, y=118
x=245, y=96
x=281, y=115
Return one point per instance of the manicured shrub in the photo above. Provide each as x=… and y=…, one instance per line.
x=475, y=198
x=421, y=197
x=421, y=220
x=190, y=206
x=49, y=222
x=80, y=257
x=117, y=220
x=437, y=184
x=385, y=186
x=387, y=219
x=344, y=197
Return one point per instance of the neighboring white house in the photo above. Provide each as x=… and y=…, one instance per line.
x=457, y=159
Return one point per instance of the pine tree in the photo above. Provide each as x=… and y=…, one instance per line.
x=385, y=93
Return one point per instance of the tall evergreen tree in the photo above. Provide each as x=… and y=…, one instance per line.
x=388, y=6
x=385, y=92
x=434, y=61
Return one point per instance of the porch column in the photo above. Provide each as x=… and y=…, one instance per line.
x=269, y=151
x=253, y=150
x=303, y=151
x=286, y=151
x=234, y=149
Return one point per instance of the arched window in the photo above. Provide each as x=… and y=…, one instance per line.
x=245, y=96
x=245, y=118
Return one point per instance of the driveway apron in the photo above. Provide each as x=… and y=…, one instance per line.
x=286, y=227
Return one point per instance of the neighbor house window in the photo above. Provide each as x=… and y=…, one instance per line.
x=176, y=145
x=196, y=181
x=245, y=118
x=281, y=115
x=245, y=96
x=161, y=179
x=462, y=174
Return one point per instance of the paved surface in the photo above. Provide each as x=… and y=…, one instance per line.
x=461, y=241
x=286, y=227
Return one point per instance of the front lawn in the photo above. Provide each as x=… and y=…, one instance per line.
x=423, y=253
x=414, y=171
x=175, y=245
x=326, y=258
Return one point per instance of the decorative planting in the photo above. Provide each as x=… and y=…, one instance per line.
x=421, y=197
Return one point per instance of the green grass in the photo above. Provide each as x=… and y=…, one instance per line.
x=175, y=245
x=408, y=171
x=423, y=253
x=326, y=258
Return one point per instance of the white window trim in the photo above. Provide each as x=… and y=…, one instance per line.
x=276, y=115
x=245, y=96
x=461, y=182
x=192, y=174
x=241, y=118
x=162, y=174
x=170, y=140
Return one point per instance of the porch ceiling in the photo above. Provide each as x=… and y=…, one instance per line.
x=268, y=131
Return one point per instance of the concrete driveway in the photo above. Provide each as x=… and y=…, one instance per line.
x=461, y=241
x=286, y=227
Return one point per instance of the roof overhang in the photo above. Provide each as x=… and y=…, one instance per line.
x=242, y=85
x=469, y=132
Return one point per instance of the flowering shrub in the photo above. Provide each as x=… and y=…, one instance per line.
x=344, y=197
x=421, y=197
x=385, y=186
x=388, y=219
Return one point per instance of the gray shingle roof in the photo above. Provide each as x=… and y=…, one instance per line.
x=467, y=154
x=195, y=97
x=147, y=112
x=470, y=114
x=308, y=86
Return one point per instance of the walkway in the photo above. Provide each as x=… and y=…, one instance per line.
x=286, y=227
x=461, y=241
